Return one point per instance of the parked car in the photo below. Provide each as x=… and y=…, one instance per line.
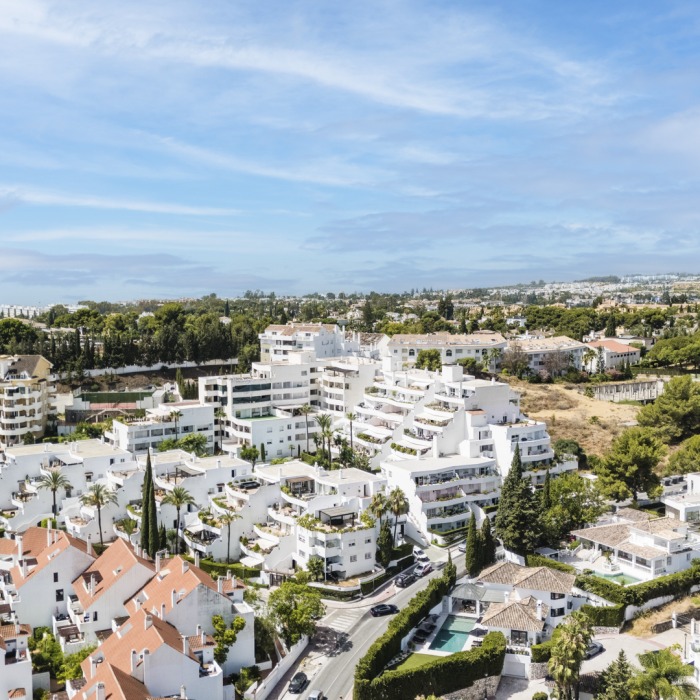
x=405, y=580
x=315, y=695
x=423, y=569
x=298, y=683
x=462, y=547
x=594, y=648
x=421, y=556
x=383, y=609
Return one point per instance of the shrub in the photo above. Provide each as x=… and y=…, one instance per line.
x=603, y=588
x=539, y=695
x=541, y=652
x=537, y=560
x=612, y=616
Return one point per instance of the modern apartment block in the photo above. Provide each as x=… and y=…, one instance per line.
x=324, y=340
x=404, y=348
x=27, y=395
x=554, y=354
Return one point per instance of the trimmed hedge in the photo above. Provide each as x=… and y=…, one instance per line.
x=541, y=652
x=446, y=674
x=388, y=645
x=537, y=560
x=217, y=568
x=602, y=587
x=612, y=616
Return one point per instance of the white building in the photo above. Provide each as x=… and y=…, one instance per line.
x=404, y=348
x=324, y=340
x=27, y=397
x=15, y=662
x=558, y=352
x=613, y=355
x=342, y=383
x=168, y=421
x=684, y=506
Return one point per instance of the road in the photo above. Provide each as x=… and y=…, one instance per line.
x=345, y=635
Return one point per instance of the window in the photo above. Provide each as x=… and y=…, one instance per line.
x=411, y=352
x=94, y=616
x=368, y=555
x=557, y=612
x=556, y=596
x=448, y=353
x=351, y=544
x=353, y=558
x=368, y=540
x=55, y=577
x=59, y=595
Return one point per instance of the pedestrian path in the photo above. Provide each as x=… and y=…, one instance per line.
x=343, y=620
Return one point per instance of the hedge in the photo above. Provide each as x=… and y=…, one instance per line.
x=217, y=568
x=537, y=560
x=540, y=653
x=446, y=674
x=602, y=587
x=612, y=616
x=388, y=645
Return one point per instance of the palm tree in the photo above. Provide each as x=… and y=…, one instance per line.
x=378, y=506
x=226, y=519
x=398, y=505
x=98, y=497
x=663, y=675
x=304, y=411
x=324, y=422
x=175, y=416
x=178, y=497
x=53, y=481
x=571, y=639
x=588, y=358
x=128, y=527
x=351, y=417
x=219, y=414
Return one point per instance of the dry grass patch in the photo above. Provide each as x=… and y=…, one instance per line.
x=641, y=627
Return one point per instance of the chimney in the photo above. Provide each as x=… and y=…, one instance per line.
x=137, y=549
x=220, y=584
x=157, y=562
x=162, y=611
x=92, y=584
x=185, y=646
x=147, y=621
x=24, y=568
x=20, y=550
x=100, y=691
x=228, y=574
x=48, y=533
x=199, y=630
x=93, y=666
x=185, y=566
x=183, y=693
x=173, y=597
x=540, y=613
x=203, y=637
x=145, y=655
x=134, y=660
x=197, y=557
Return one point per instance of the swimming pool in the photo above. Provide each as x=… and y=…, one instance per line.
x=453, y=634
x=622, y=579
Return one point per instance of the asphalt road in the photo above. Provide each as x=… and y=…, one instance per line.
x=344, y=637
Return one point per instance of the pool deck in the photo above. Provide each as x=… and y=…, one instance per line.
x=425, y=647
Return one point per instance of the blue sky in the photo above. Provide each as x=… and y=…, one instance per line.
x=171, y=148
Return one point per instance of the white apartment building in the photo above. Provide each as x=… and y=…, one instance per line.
x=342, y=383
x=559, y=352
x=404, y=348
x=27, y=396
x=613, y=354
x=323, y=340
x=685, y=505
x=15, y=662
x=168, y=421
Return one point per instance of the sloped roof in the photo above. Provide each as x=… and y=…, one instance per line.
x=613, y=346
x=503, y=572
x=119, y=685
x=607, y=535
x=542, y=578
x=517, y=615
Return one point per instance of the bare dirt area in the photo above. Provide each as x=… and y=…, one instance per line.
x=569, y=414
x=642, y=626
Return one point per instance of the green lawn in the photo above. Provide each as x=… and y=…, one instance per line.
x=415, y=660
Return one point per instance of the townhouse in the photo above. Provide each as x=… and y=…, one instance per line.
x=483, y=346
x=15, y=662
x=27, y=397
x=553, y=355
x=611, y=354
x=37, y=570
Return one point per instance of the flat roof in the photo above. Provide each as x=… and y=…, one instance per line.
x=85, y=448
x=435, y=464
x=338, y=511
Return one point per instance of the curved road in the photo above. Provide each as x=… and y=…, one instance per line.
x=344, y=636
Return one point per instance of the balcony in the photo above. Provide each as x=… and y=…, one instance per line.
x=285, y=515
x=200, y=538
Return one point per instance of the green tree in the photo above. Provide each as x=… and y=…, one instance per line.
x=295, y=608
x=145, y=503
x=686, y=458
x=225, y=636
x=378, y=506
x=324, y=422
x=316, y=568
x=220, y=415
x=179, y=498
x=304, y=411
x=546, y=494
x=250, y=454
x=195, y=443
x=676, y=413
x=517, y=516
x=628, y=468
x=70, y=667
x=615, y=680
x=98, y=497
x=385, y=544
x=663, y=677
x=429, y=359
x=472, y=558
x=53, y=481
x=175, y=416
x=226, y=519
x=571, y=639
x=488, y=544
x=263, y=455
x=351, y=418
x=397, y=504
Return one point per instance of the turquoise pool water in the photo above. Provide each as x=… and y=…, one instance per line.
x=622, y=579
x=453, y=634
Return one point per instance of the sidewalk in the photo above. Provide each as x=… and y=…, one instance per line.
x=385, y=592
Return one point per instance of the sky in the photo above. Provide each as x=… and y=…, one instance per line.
x=176, y=148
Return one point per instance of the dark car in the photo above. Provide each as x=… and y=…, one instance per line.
x=593, y=649
x=379, y=610
x=298, y=683
x=405, y=580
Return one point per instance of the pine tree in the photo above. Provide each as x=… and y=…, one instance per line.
x=488, y=544
x=517, y=521
x=145, y=502
x=472, y=556
x=615, y=680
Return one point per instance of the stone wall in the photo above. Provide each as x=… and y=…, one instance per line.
x=605, y=630
x=476, y=690
x=537, y=671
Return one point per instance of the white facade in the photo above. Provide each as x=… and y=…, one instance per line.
x=613, y=355
x=278, y=342
x=342, y=384
x=15, y=662
x=540, y=352
x=481, y=346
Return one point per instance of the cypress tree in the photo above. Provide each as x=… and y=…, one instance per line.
x=262, y=451
x=471, y=558
x=517, y=521
x=162, y=537
x=145, y=502
x=153, y=535
x=546, y=496
x=488, y=544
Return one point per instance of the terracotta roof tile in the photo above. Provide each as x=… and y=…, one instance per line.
x=518, y=615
